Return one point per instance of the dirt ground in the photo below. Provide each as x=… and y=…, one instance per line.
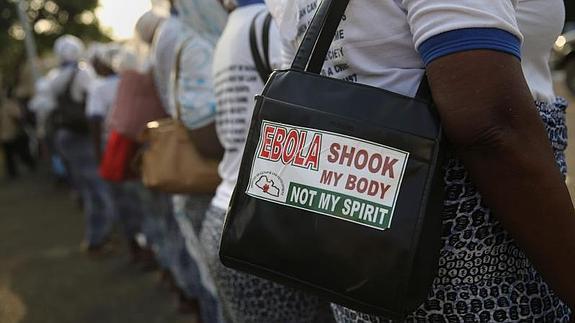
x=46, y=278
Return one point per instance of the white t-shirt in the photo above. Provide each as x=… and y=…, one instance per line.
x=102, y=97
x=377, y=39
x=236, y=83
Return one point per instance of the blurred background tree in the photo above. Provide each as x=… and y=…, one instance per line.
x=49, y=19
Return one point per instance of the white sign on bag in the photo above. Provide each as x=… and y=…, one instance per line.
x=328, y=173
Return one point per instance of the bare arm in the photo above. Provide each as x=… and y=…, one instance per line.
x=489, y=116
x=206, y=141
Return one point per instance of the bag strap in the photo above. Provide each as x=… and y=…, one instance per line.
x=317, y=40
x=262, y=65
x=266, y=39
x=68, y=89
x=176, y=76
x=313, y=49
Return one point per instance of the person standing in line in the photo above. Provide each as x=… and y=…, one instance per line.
x=507, y=247
x=14, y=140
x=162, y=54
x=246, y=298
x=108, y=61
x=102, y=94
x=171, y=245
x=70, y=83
x=191, y=89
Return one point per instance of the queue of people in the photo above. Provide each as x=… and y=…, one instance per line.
x=506, y=251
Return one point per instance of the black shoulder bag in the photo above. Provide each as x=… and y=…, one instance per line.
x=340, y=191
x=69, y=114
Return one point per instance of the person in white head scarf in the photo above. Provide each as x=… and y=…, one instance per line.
x=75, y=146
x=198, y=25
x=170, y=245
x=69, y=50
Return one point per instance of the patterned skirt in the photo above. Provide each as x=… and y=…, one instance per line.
x=249, y=299
x=189, y=212
x=483, y=276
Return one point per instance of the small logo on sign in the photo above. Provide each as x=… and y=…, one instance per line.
x=268, y=186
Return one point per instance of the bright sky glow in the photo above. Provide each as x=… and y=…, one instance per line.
x=120, y=16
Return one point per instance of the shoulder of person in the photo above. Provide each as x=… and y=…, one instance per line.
x=188, y=38
x=52, y=74
x=86, y=70
x=86, y=76
x=166, y=32
x=196, y=51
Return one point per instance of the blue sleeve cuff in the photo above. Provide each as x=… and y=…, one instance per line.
x=243, y=3
x=469, y=39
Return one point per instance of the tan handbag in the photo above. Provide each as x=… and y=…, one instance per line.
x=171, y=162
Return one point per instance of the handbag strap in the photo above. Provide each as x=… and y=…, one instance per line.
x=67, y=93
x=176, y=76
x=313, y=49
x=262, y=65
x=317, y=40
x=266, y=39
